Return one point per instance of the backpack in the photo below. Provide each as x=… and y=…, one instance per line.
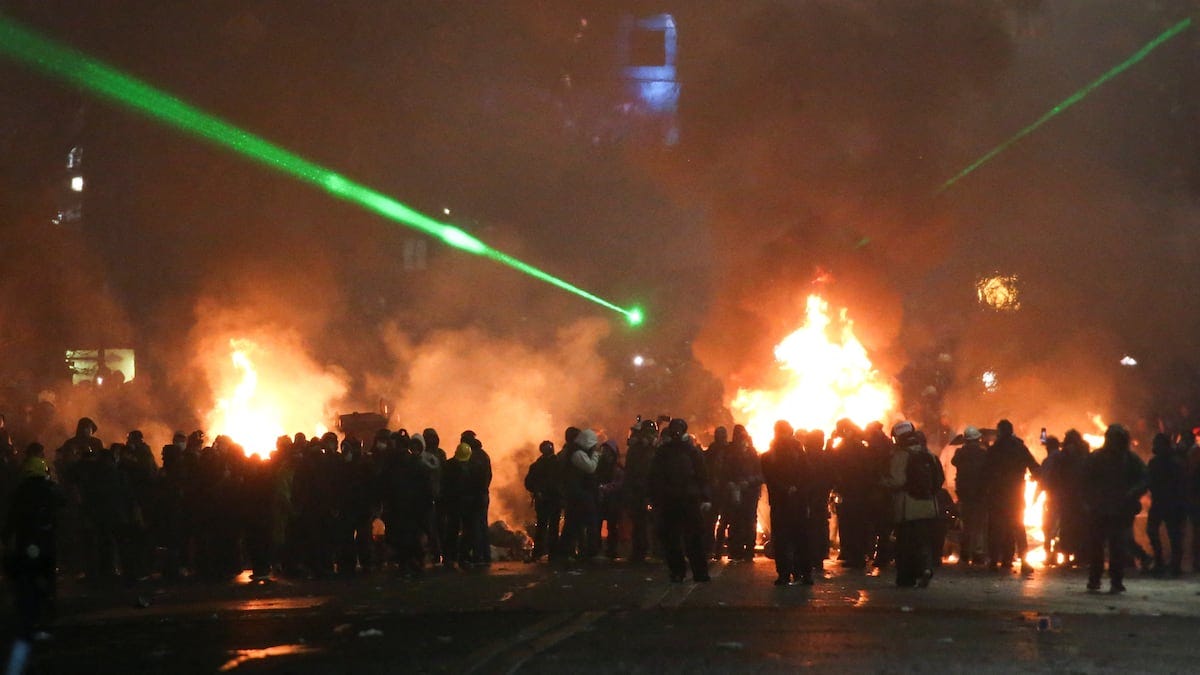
x=922, y=478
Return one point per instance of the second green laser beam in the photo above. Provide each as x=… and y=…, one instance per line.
x=1072, y=100
x=26, y=46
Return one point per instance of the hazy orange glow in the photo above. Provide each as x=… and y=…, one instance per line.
x=1035, y=535
x=827, y=376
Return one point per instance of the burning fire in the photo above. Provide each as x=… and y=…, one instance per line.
x=262, y=395
x=1096, y=440
x=827, y=376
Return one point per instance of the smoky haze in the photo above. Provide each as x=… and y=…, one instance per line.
x=814, y=136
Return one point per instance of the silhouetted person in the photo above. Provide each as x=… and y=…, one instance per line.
x=822, y=475
x=1007, y=461
x=786, y=472
x=743, y=486
x=1115, y=480
x=29, y=543
x=857, y=481
x=718, y=519
x=610, y=476
x=679, y=490
x=915, y=479
x=481, y=474
x=456, y=499
x=1070, y=476
x=970, y=483
x=639, y=455
x=1051, y=483
x=542, y=483
x=1167, y=482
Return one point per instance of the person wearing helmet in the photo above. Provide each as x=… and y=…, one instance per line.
x=915, y=477
x=679, y=491
x=970, y=484
x=1116, y=481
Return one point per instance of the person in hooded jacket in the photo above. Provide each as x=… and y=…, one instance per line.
x=1070, y=476
x=857, y=480
x=1116, y=481
x=679, y=491
x=436, y=524
x=742, y=483
x=915, y=478
x=30, y=543
x=610, y=476
x=457, y=499
x=970, y=484
x=72, y=465
x=413, y=495
x=787, y=474
x=1168, y=506
x=481, y=472
x=542, y=483
x=1007, y=461
x=581, y=490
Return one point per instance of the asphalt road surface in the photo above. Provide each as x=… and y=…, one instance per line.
x=621, y=617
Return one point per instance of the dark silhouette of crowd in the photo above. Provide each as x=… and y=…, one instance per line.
x=206, y=510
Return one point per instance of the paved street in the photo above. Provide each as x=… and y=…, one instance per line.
x=619, y=617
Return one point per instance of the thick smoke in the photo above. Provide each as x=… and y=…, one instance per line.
x=820, y=132
x=512, y=394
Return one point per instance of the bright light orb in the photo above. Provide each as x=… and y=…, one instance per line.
x=77, y=183
x=990, y=382
x=999, y=292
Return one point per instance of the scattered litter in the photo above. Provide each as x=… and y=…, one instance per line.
x=730, y=645
x=342, y=628
x=142, y=602
x=906, y=608
x=445, y=639
x=506, y=597
x=370, y=632
x=566, y=586
x=576, y=573
x=720, y=603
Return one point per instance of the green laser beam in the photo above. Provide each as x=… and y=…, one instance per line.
x=1071, y=100
x=49, y=57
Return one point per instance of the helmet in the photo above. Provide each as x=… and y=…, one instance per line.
x=677, y=428
x=972, y=434
x=902, y=428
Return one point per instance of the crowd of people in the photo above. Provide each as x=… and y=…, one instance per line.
x=210, y=511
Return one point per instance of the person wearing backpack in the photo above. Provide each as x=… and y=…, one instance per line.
x=915, y=477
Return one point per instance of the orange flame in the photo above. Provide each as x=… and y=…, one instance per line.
x=827, y=376
x=265, y=393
